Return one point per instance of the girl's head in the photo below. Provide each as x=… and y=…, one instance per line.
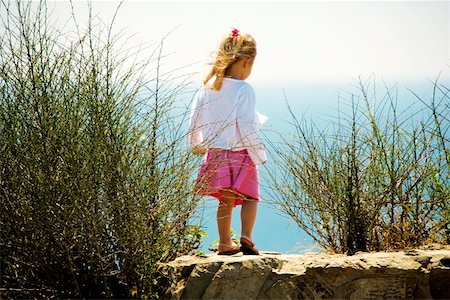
x=234, y=47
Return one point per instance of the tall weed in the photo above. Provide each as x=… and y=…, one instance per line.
x=94, y=173
x=374, y=179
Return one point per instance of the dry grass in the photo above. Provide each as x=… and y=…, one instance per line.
x=95, y=177
x=375, y=179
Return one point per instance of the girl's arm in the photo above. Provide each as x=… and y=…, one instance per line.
x=195, y=136
x=199, y=150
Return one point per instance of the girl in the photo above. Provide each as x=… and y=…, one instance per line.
x=224, y=126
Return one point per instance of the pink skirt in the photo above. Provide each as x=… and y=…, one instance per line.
x=228, y=170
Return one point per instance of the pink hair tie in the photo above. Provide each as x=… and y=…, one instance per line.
x=234, y=34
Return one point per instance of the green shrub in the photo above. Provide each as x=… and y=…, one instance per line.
x=374, y=179
x=95, y=177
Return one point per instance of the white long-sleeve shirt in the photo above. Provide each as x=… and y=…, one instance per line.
x=227, y=119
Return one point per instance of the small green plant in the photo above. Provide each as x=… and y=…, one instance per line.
x=197, y=234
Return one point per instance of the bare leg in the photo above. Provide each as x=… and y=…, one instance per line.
x=248, y=216
x=224, y=214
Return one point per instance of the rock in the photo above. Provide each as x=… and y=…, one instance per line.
x=411, y=274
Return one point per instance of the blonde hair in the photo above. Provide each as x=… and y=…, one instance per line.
x=234, y=46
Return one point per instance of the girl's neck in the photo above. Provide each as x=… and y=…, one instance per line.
x=234, y=71
x=232, y=76
x=239, y=70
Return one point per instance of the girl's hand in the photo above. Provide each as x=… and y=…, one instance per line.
x=199, y=150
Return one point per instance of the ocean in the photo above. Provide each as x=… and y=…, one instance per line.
x=311, y=102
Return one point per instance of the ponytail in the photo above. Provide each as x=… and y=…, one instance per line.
x=233, y=47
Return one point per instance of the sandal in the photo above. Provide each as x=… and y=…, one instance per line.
x=234, y=249
x=248, y=247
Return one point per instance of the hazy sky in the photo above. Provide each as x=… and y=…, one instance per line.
x=298, y=41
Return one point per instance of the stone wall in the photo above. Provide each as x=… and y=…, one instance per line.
x=413, y=274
